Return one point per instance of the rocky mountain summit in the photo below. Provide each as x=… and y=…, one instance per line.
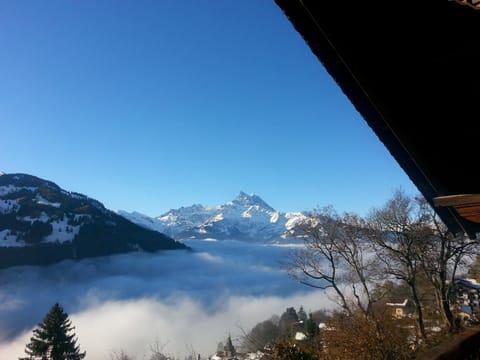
x=247, y=217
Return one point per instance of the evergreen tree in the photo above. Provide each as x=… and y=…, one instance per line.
x=288, y=323
x=229, y=348
x=54, y=339
x=302, y=315
x=311, y=327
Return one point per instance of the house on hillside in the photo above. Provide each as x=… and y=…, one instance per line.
x=400, y=310
x=299, y=336
x=465, y=295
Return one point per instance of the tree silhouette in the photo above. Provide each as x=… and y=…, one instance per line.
x=54, y=339
x=229, y=348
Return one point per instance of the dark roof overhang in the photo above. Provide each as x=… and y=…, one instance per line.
x=411, y=69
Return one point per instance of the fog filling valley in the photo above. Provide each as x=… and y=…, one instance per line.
x=184, y=301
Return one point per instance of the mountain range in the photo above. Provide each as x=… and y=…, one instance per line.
x=247, y=217
x=41, y=223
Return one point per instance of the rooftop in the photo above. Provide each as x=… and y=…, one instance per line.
x=410, y=70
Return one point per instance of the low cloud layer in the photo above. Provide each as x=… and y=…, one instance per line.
x=181, y=300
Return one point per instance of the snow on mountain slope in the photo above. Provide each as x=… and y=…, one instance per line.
x=247, y=217
x=41, y=223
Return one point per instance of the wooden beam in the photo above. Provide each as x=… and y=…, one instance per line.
x=466, y=205
x=457, y=200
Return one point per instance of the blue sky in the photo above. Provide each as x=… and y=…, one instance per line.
x=151, y=105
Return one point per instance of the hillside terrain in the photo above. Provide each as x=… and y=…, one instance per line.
x=41, y=223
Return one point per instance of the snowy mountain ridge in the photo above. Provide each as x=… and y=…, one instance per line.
x=247, y=217
x=41, y=223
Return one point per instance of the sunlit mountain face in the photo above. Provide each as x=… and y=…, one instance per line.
x=247, y=217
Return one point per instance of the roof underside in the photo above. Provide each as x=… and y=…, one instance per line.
x=411, y=70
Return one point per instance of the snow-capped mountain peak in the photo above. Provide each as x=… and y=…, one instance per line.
x=247, y=217
x=248, y=200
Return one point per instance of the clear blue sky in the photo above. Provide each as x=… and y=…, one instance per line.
x=151, y=105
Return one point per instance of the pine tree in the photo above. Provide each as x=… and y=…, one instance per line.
x=229, y=348
x=311, y=327
x=288, y=323
x=302, y=315
x=54, y=339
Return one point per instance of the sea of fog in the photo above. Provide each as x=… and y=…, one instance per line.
x=184, y=301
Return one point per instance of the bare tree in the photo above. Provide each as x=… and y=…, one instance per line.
x=336, y=255
x=360, y=338
x=441, y=256
x=157, y=351
x=192, y=354
x=398, y=232
x=262, y=334
x=120, y=355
